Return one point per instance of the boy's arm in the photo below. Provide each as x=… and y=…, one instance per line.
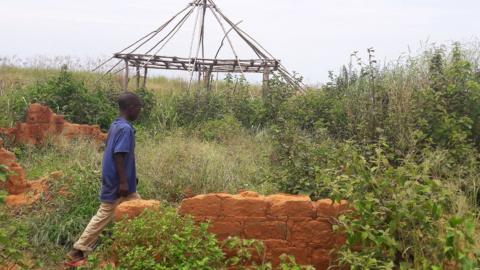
x=119, y=159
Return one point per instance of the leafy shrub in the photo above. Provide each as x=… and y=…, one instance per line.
x=199, y=106
x=161, y=239
x=251, y=254
x=149, y=103
x=219, y=130
x=405, y=158
x=450, y=106
x=278, y=93
x=400, y=214
x=400, y=211
x=69, y=96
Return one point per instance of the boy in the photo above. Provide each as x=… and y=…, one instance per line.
x=119, y=182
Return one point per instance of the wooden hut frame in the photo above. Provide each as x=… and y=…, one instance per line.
x=196, y=62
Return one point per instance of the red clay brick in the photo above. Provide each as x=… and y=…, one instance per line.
x=275, y=244
x=266, y=230
x=292, y=209
x=326, y=208
x=312, y=232
x=224, y=229
x=201, y=205
x=321, y=259
x=239, y=206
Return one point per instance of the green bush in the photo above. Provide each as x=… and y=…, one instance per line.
x=401, y=146
x=219, y=130
x=400, y=211
x=149, y=103
x=400, y=214
x=69, y=96
x=244, y=251
x=449, y=108
x=161, y=239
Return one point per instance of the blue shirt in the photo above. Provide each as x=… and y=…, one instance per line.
x=121, y=139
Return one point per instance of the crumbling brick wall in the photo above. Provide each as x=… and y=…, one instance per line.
x=287, y=224
x=21, y=191
x=41, y=124
x=16, y=182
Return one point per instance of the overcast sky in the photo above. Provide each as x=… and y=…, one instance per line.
x=309, y=36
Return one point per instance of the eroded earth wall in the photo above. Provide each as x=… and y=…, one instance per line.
x=20, y=191
x=41, y=123
x=287, y=224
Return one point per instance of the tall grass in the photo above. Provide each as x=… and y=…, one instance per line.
x=177, y=165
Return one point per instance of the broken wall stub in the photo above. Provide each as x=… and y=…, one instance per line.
x=41, y=124
x=20, y=191
x=16, y=182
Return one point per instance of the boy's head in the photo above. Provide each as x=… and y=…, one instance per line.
x=130, y=106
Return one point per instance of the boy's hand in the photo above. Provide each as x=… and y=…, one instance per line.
x=123, y=190
x=119, y=159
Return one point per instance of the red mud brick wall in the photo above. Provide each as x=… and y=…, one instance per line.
x=41, y=123
x=16, y=182
x=289, y=224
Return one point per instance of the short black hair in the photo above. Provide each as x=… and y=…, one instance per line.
x=128, y=99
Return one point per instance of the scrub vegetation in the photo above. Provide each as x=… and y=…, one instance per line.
x=400, y=142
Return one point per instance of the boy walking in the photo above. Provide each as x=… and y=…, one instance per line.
x=119, y=181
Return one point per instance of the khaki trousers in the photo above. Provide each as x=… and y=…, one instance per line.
x=104, y=215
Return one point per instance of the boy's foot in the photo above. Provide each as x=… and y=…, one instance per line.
x=75, y=258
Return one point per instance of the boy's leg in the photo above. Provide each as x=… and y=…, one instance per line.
x=95, y=227
x=99, y=222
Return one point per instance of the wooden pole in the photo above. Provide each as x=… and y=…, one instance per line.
x=138, y=77
x=125, y=77
x=145, y=78
x=266, y=78
x=206, y=79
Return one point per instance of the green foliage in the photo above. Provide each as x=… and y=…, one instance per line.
x=161, y=239
x=69, y=96
x=400, y=210
x=3, y=195
x=190, y=109
x=219, y=130
x=288, y=263
x=402, y=149
x=245, y=250
x=399, y=214
x=13, y=107
x=3, y=173
x=278, y=93
x=450, y=106
x=149, y=103
x=63, y=226
x=400, y=142
x=55, y=222
x=251, y=254
x=13, y=240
